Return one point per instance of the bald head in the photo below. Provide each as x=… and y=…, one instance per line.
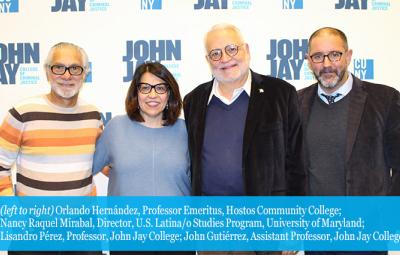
x=328, y=31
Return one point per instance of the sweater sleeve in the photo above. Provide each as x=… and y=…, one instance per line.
x=10, y=141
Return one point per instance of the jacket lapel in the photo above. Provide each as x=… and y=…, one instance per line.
x=256, y=101
x=201, y=106
x=358, y=98
x=306, y=104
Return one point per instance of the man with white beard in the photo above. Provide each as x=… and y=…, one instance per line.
x=244, y=128
x=52, y=137
x=351, y=127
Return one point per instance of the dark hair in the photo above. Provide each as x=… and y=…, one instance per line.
x=329, y=30
x=174, y=104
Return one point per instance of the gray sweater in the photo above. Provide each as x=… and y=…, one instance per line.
x=145, y=161
x=326, y=143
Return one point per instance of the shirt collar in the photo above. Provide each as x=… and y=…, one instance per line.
x=236, y=93
x=343, y=90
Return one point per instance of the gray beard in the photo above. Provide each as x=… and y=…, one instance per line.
x=334, y=83
x=327, y=85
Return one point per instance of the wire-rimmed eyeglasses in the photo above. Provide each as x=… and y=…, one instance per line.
x=231, y=50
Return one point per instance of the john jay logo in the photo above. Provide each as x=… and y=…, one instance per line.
x=287, y=58
x=79, y=5
x=8, y=6
x=69, y=5
x=222, y=4
x=12, y=55
x=364, y=68
x=211, y=4
x=106, y=117
x=362, y=4
x=351, y=4
x=292, y=4
x=88, y=78
x=151, y=4
x=138, y=52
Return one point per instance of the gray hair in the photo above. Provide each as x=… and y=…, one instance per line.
x=223, y=26
x=60, y=45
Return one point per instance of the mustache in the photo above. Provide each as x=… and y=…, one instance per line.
x=328, y=70
x=227, y=65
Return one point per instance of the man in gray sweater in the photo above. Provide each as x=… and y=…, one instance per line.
x=351, y=127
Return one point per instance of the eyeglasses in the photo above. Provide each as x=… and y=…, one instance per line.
x=333, y=56
x=231, y=50
x=61, y=69
x=146, y=88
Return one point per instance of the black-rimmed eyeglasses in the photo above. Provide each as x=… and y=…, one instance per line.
x=333, y=56
x=61, y=69
x=231, y=50
x=146, y=88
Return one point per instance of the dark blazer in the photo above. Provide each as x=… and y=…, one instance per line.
x=272, y=143
x=373, y=137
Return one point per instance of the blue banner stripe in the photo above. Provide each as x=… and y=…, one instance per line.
x=200, y=223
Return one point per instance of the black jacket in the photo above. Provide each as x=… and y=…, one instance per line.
x=373, y=137
x=272, y=143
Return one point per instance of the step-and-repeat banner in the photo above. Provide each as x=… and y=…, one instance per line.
x=118, y=35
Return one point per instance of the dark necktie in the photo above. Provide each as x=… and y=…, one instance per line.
x=331, y=99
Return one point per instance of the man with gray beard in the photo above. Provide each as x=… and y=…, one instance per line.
x=351, y=127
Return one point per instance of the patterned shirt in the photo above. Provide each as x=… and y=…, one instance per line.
x=52, y=147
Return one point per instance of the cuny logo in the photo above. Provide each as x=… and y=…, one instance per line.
x=151, y=4
x=8, y=6
x=222, y=4
x=362, y=4
x=364, y=68
x=292, y=4
x=287, y=57
x=79, y=5
x=12, y=55
x=138, y=52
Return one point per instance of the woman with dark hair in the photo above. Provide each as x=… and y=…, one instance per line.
x=146, y=149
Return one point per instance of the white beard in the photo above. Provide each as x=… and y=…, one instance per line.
x=66, y=94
